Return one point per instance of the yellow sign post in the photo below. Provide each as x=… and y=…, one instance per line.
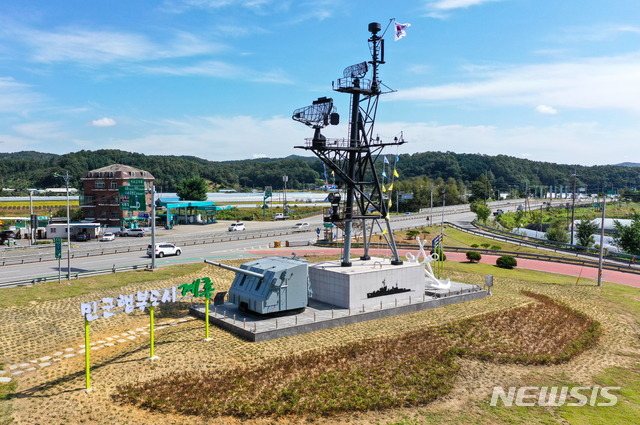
x=152, y=333
x=87, y=357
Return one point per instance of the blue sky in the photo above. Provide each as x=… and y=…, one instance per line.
x=547, y=80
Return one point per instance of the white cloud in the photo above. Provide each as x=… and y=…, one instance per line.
x=597, y=32
x=219, y=69
x=456, y=4
x=221, y=138
x=419, y=69
x=585, y=143
x=88, y=46
x=179, y=6
x=46, y=130
x=103, y=122
x=593, y=83
x=544, y=109
x=12, y=143
x=16, y=97
x=441, y=9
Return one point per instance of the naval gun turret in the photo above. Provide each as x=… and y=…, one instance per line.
x=269, y=285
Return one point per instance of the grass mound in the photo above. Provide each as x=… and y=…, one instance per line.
x=413, y=369
x=408, y=370
x=545, y=332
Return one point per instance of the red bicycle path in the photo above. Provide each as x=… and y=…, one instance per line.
x=580, y=272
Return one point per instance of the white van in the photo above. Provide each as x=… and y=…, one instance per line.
x=234, y=227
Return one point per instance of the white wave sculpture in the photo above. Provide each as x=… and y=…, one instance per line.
x=430, y=278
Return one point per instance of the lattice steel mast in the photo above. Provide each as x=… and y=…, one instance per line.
x=353, y=159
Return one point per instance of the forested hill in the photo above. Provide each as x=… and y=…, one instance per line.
x=35, y=170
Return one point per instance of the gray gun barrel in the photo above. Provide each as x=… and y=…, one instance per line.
x=235, y=269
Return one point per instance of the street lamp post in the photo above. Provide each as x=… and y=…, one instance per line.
x=31, y=234
x=285, y=179
x=66, y=178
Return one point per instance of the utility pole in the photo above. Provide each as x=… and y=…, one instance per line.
x=431, y=208
x=573, y=203
x=285, y=179
x=444, y=197
x=66, y=178
x=31, y=234
x=604, y=206
x=153, y=227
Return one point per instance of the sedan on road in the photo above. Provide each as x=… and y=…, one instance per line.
x=163, y=249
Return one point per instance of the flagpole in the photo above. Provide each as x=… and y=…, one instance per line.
x=388, y=25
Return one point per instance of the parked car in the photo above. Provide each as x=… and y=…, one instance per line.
x=300, y=226
x=6, y=235
x=108, y=236
x=83, y=236
x=234, y=227
x=163, y=249
x=132, y=232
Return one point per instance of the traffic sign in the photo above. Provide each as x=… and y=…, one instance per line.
x=136, y=182
x=58, y=242
x=132, y=198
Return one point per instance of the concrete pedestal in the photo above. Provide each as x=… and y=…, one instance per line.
x=358, y=285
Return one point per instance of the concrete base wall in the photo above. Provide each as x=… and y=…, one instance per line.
x=347, y=287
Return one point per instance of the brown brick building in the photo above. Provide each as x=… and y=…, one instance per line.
x=100, y=201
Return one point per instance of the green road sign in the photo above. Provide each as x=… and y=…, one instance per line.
x=58, y=242
x=132, y=198
x=136, y=182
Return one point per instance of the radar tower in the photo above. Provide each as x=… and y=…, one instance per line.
x=353, y=160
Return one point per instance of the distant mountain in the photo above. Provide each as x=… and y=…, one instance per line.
x=21, y=170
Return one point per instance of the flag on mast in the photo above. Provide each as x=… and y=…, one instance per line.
x=400, y=30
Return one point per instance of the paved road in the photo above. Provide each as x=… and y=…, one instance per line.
x=199, y=242
x=580, y=272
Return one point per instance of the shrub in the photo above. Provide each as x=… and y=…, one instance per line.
x=473, y=256
x=496, y=247
x=474, y=245
x=506, y=262
x=485, y=245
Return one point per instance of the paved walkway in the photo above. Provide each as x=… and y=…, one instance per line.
x=628, y=279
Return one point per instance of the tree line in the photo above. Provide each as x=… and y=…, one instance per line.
x=443, y=176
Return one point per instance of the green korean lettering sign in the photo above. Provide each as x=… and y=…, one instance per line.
x=132, y=198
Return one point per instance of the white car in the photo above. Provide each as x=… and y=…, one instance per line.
x=108, y=236
x=163, y=249
x=300, y=226
x=234, y=227
x=132, y=232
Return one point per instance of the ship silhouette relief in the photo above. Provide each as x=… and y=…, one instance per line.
x=385, y=290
